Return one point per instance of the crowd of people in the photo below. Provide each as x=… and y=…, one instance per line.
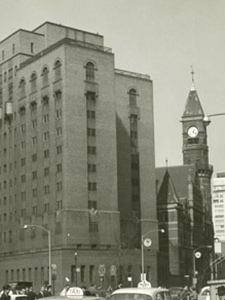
x=45, y=291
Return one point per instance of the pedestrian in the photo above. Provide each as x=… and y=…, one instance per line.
x=5, y=292
x=31, y=294
x=41, y=294
x=184, y=293
x=193, y=295
x=221, y=292
x=49, y=291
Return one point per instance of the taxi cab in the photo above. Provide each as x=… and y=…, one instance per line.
x=142, y=292
x=73, y=293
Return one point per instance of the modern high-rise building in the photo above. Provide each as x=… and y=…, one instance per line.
x=218, y=206
x=76, y=161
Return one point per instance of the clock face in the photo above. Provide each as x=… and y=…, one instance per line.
x=192, y=131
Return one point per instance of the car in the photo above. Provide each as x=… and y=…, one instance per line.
x=18, y=297
x=72, y=293
x=175, y=292
x=204, y=293
x=141, y=293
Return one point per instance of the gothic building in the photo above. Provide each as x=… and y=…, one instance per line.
x=184, y=204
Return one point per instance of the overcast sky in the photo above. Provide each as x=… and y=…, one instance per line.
x=162, y=38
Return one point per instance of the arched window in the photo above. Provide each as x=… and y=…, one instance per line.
x=45, y=76
x=90, y=71
x=133, y=97
x=57, y=68
x=33, y=81
x=22, y=86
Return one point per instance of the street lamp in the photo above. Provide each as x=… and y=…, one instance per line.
x=147, y=243
x=194, y=252
x=75, y=257
x=49, y=249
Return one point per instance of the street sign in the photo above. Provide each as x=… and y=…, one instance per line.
x=101, y=270
x=147, y=242
x=113, y=270
x=198, y=254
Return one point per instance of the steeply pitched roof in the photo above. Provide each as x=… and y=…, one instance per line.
x=172, y=182
x=193, y=107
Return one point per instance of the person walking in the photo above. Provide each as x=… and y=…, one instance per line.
x=184, y=293
x=41, y=294
x=193, y=295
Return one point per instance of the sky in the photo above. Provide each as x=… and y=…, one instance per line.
x=161, y=38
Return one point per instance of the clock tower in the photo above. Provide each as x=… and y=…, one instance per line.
x=195, y=148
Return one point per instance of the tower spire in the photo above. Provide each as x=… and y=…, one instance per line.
x=192, y=79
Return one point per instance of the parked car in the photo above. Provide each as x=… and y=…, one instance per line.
x=141, y=293
x=175, y=292
x=204, y=293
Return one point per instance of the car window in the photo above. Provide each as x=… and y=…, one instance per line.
x=162, y=296
x=134, y=296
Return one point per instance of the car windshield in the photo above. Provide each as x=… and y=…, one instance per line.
x=19, y=297
x=128, y=296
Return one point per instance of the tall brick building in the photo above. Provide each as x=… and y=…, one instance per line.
x=76, y=159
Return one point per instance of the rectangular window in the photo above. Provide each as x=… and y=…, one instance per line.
x=34, y=175
x=46, y=136
x=34, y=210
x=91, y=273
x=34, y=192
x=22, y=145
x=59, y=168
x=91, y=168
x=90, y=114
x=92, y=204
x=59, y=204
x=34, y=157
x=93, y=226
x=58, y=113
x=92, y=186
x=34, y=140
x=91, y=150
x=46, y=153
x=82, y=274
x=46, y=118
x=59, y=149
x=46, y=189
x=23, y=161
x=46, y=171
x=91, y=132
x=34, y=123
x=46, y=207
x=23, y=178
x=59, y=131
x=23, y=128
x=59, y=186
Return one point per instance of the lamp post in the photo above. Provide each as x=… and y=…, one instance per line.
x=75, y=273
x=49, y=249
x=194, y=252
x=146, y=243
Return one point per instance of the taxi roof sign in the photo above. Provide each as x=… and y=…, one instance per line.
x=144, y=284
x=75, y=291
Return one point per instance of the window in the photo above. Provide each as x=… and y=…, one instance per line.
x=59, y=167
x=92, y=186
x=91, y=168
x=23, y=161
x=90, y=71
x=32, y=47
x=23, y=212
x=59, y=131
x=46, y=153
x=13, y=48
x=57, y=68
x=59, y=186
x=34, y=175
x=3, y=55
x=34, y=192
x=45, y=76
x=92, y=204
x=34, y=157
x=34, y=123
x=58, y=113
x=91, y=132
x=22, y=145
x=90, y=114
x=46, y=118
x=23, y=128
x=33, y=106
x=91, y=150
x=59, y=205
x=46, y=207
x=93, y=226
x=22, y=88
x=23, y=195
x=46, y=189
x=33, y=81
x=59, y=149
x=46, y=171
x=23, y=178
x=82, y=273
x=34, y=210
x=45, y=100
x=132, y=97
x=46, y=136
x=34, y=140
